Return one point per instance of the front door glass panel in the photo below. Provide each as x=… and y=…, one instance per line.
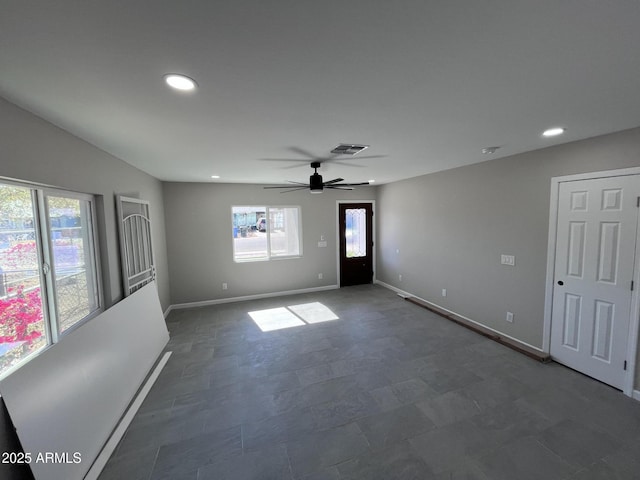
x=356, y=232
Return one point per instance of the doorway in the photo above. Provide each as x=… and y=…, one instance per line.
x=592, y=315
x=355, y=237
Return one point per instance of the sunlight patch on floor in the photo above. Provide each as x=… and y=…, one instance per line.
x=292, y=316
x=314, y=312
x=275, y=319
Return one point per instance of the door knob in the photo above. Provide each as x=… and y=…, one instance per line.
x=560, y=282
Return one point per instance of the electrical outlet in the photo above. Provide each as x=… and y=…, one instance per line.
x=224, y=286
x=444, y=292
x=400, y=277
x=320, y=276
x=510, y=317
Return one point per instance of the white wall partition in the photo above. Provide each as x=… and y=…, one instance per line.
x=66, y=402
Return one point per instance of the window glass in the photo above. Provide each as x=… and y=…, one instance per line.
x=356, y=232
x=249, y=233
x=22, y=326
x=262, y=233
x=284, y=231
x=74, y=271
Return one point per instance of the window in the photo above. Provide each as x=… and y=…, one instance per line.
x=356, y=232
x=48, y=268
x=264, y=233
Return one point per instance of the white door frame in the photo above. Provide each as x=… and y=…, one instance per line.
x=632, y=344
x=373, y=234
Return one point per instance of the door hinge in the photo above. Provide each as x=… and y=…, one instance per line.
x=632, y=285
x=638, y=202
x=625, y=364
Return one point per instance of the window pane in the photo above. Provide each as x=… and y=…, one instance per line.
x=356, y=232
x=284, y=231
x=73, y=259
x=249, y=233
x=22, y=328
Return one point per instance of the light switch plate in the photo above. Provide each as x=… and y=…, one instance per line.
x=508, y=260
x=322, y=244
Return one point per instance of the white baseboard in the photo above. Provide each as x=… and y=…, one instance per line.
x=167, y=311
x=400, y=292
x=109, y=447
x=635, y=394
x=244, y=298
x=444, y=310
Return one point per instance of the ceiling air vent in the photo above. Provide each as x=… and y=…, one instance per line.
x=345, y=149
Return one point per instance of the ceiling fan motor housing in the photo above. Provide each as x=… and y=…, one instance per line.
x=315, y=183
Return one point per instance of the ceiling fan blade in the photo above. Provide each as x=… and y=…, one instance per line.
x=356, y=157
x=332, y=187
x=304, y=152
x=343, y=159
x=284, y=160
x=345, y=164
x=351, y=184
x=335, y=180
x=288, y=160
x=294, y=189
x=302, y=184
x=293, y=162
x=311, y=156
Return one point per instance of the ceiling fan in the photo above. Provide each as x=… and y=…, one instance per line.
x=316, y=185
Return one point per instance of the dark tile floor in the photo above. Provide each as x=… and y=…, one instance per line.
x=387, y=391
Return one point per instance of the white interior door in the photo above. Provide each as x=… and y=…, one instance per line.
x=595, y=251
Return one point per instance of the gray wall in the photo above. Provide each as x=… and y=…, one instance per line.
x=200, y=246
x=34, y=150
x=451, y=227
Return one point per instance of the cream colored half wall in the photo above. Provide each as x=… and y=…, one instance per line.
x=200, y=244
x=448, y=230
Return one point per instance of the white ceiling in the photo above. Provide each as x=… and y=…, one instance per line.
x=427, y=84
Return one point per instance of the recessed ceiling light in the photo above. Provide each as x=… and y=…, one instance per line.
x=215, y=176
x=552, y=132
x=180, y=82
